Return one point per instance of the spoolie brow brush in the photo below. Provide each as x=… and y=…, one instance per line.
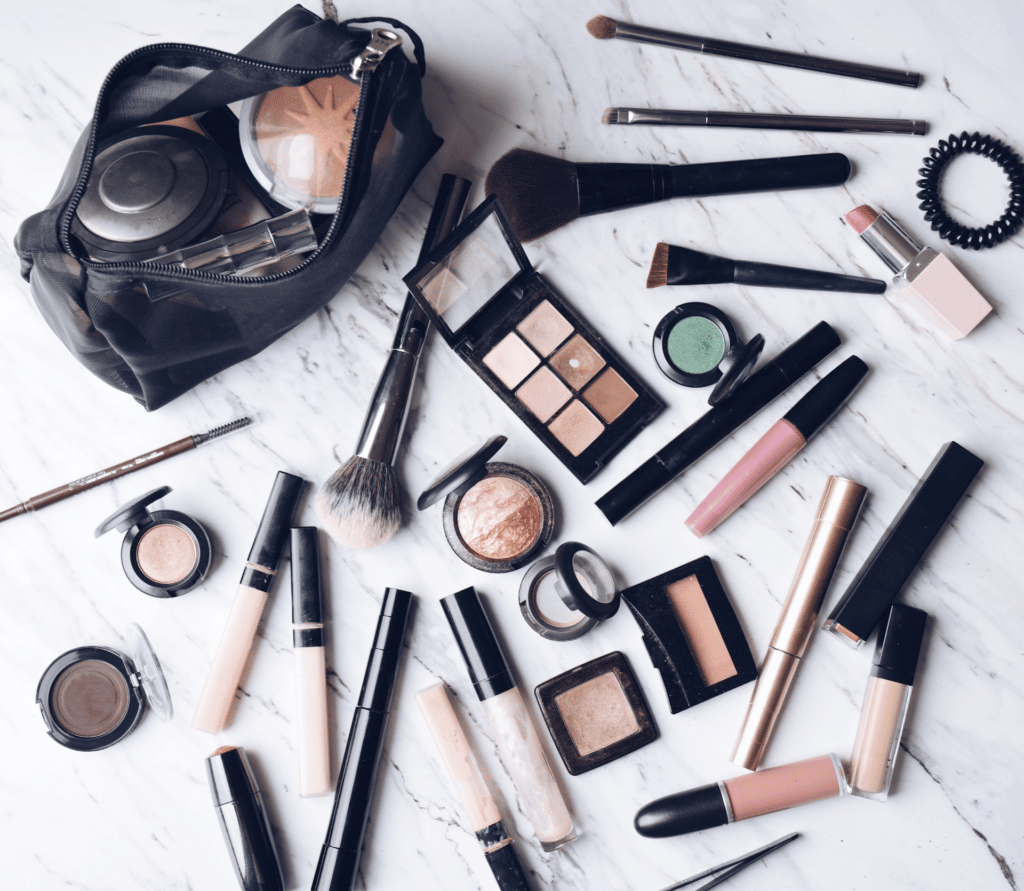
x=185, y=444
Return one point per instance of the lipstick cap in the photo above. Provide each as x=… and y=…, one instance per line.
x=277, y=519
x=379, y=680
x=487, y=667
x=827, y=396
x=903, y=544
x=690, y=811
x=899, y=644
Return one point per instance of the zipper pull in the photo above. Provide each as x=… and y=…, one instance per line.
x=381, y=41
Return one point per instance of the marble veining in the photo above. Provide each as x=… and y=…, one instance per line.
x=139, y=815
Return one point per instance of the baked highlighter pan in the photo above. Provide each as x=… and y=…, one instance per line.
x=529, y=346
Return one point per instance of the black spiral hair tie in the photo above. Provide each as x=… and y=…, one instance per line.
x=931, y=201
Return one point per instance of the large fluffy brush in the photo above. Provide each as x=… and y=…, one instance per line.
x=360, y=505
x=540, y=193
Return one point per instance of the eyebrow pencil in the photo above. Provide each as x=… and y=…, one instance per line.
x=604, y=28
x=185, y=444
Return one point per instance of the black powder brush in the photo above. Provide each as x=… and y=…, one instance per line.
x=674, y=265
x=360, y=505
x=541, y=193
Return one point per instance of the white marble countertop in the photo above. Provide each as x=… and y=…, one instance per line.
x=139, y=815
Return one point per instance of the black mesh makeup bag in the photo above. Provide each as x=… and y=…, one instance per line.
x=156, y=331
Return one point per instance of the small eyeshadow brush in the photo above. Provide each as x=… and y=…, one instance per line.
x=674, y=265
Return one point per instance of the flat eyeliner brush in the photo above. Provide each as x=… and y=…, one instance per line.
x=746, y=120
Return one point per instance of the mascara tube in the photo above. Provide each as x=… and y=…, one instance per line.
x=236, y=640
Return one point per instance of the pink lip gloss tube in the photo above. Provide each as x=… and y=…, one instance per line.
x=778, y=446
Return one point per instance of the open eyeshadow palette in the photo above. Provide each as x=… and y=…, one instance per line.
x=545, y=362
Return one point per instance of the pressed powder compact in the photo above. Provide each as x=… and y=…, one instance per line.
x=691, y=633
x=596, y=713
x=497, y=517
x=564, y=596
x=93, y=697
x=165, y=553
x=547, y=364
x=696, y=345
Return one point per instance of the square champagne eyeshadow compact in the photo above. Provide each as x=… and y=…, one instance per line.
x=529, y=346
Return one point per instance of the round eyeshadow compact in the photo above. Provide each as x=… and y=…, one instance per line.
x=152, y=190
x=93, y=697
x=497, y=517
x=696, y=345
x=565, y=596
x=165, y=552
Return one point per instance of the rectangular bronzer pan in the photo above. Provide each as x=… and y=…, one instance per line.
x=544, y=360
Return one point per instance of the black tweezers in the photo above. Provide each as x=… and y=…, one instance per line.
x=727, y=870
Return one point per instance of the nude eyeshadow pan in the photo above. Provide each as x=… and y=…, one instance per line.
x=596, y=713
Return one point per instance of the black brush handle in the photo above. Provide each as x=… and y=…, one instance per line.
x=769, y=275
x=605, y=187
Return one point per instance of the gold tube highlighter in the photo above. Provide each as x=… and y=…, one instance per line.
x=236, y=640
x=837, y=512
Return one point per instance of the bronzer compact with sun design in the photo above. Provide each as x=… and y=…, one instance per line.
x=543, y=360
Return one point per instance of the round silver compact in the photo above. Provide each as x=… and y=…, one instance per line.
x=152, y=190
x=565, y=596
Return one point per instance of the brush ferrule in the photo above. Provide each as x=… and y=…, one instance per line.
x=658, y=37
x=604, y=187
x=389, y=408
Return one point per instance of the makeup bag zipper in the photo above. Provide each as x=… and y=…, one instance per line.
x=359, y=70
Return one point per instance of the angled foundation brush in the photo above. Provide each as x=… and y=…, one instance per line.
x=604, y=28
x=360, y=505
x=674, y=265
x=541, y=193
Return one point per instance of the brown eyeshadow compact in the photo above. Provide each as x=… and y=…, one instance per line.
x=93, y=697
x=692, y=633
x=497, y=516
x=165, y=552
x=529, y=346
x=596, y=713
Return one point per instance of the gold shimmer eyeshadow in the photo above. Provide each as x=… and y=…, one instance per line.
x=576, y=427
x=545, y=328
x=701, y=630
x=543, y=394
x=577, y=362
x=511, y=360
x=597, y=713
x=499, y=518
x=610, y=395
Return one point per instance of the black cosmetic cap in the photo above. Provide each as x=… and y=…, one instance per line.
x=690, y=811
x=487, y=667
x=307, y=606
x=508, y=871
x=277, y=519
x=827, y=396
x=899, y=644
x=904, y=543
x=230, y=774
x=337, y=869
x=621, y=500
x=379, y=680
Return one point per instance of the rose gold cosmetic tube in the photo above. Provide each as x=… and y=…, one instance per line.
x=837, y=512
x=236, y=640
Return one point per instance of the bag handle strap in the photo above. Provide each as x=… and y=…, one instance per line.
x=331, y=12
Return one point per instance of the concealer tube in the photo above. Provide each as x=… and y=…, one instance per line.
x=885, y=702
x=310, y=664
x=471, y=786
x=236, y=640
x=837, y=512
x=514, y=731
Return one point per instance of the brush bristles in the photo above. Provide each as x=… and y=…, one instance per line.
x=359, y=505
x=658, y=275
x=602, y=27
x=610, y=116
x=539, y=193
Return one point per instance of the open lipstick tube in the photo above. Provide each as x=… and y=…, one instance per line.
x=778, y=446
x=836, y=514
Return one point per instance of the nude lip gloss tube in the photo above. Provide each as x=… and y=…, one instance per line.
x=514, y=731
x=778, y=446
x=926, y=279
x=836, y=514
x=471, y=785
x=236, y=640
x=885, y=702
x=310, y=664
x=765, y=792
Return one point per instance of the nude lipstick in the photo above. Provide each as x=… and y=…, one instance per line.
x=926, y=279
x=778, y=446
x=740, y=798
